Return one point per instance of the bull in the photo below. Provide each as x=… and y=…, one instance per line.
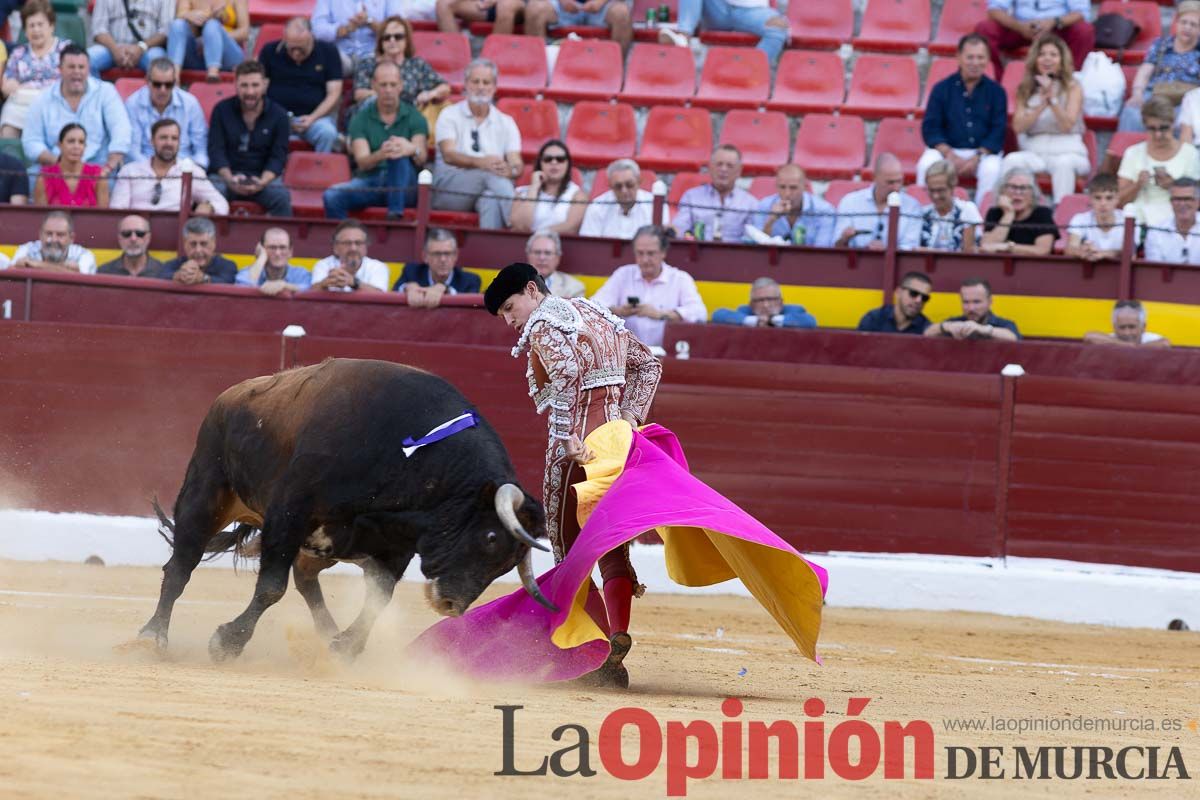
x=309, y=462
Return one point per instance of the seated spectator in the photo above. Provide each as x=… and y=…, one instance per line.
x=755, y=17
x=862, y=216
x=795, y=214
x=200, y=262
x=1048, y=119
x=651, y=293
x=1149, y=168
x=129, y=34
x=421, y=86
x=1012, y=24
x=162, y=98
x=1129, y=328
x=503, y=14
x=55, y=249
x=1171, y=62
x=624, y=208
x=135, y=260
x=248, y=144
x=14, y=181
x=1019, y=223
x=80, y=98
x=965, y=119
x=349, y=269
x=424, y=283
x=305, y=77
x=905, y=314
x=387, y=140
x=156, y=184
x=209, y=35
x=1176, y=239
x=948, y=222
x=1099, y=233
x=272, y=271
x=977, y=320
x=719, y=206
x=551, y=200
x=350, y=25
x=478, y=152
x=766, y=310
x=31, y=67
x=69, y=181
x=543, y=250
x=541, y=15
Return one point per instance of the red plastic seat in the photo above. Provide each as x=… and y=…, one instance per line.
x=447, y=53
x=209, y=94
x=885, y=86
x=262, y=11
x=601, y=132
x=1145, y=15
x=682, y=182
x=734, y=77
x=762, y=186
x=600, y=184
x=521, y=61
x=308, y=175
x=1014, y=71
x=902, y=138
x=1068, y=207
x=808, y=81
x=836, y=190
x=127, y=86
x=676, y=139
x=537, y=120
x=939, y=70
x=826, y=24
x=959, y=17
x=267, y=33
x=587, y=70
x=1122, y=141
x=894, y=26
x=831, y=147
x=761, y=136
x=659, y=75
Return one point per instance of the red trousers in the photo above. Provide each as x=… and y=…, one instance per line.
x=1080, y=39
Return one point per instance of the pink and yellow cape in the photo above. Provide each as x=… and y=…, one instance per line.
x=639, y=481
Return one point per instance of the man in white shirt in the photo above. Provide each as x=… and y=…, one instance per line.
x=625, y=207
x=55, y=249
x=862, y=216
x=349, y=269
x=1099, y=232
x=156, y=184
x=651, y=293
x=1129, y=328
x=1177, y=240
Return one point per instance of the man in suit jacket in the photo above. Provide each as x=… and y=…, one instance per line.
x=424, y=283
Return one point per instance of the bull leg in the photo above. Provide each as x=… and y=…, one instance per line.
x=380, y=578
x=304, y=573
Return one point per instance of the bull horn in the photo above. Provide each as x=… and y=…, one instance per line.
x=509, y=498
x=525, y=570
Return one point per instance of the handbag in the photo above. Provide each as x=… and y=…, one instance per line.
x=1171, y=90
x=1114, y=31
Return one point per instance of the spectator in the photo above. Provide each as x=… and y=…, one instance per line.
x=1015, y=23
x=1129, y=328
x=14, y=181
x=905, y=313
x=161, y=98
x=977, y=320
x=78, y=97
x=55, y=249
x=544, y=252
x=305, y=77
x=272, y=271
x=1098, y=233
x=651, y=293
x=551, y=200
x=69, y=181
x=135, y=260
x=1177, y=240
x=421, y=86
x=1049, y=118
x=503, y=14
x=425, y=283
x=32, y=67
x=156, y=183
x=350, y=25
x=129, y=33
x=200, y=262
x=965, y=119
x=795, y=214
x=1149, y=168
x=624, y=208
x=766, y=310
x=948, y=222
x=541, y=15
x=1170, y=64
x=719, y=205
x=478, y=152
x=387, y=139
x=862, y=216
x=248, y=144
x=1019, y=223
x=209, y=35
x=755, y=17
x=349, y=269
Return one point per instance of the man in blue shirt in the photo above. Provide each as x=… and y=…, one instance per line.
x=272, y=271
x=305, y=77
x=1015, y=23
x=794, y=214
x=977, y=320
x=766, y=310
x=863, y=216
x=905, y=314
x=162, y=98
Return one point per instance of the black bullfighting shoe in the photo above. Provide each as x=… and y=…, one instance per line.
x=612, y=673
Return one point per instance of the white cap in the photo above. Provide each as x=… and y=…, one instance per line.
x=1012, y=371
x=425, y=178
x=659, y=189
x=294, y=332
x=894, y=200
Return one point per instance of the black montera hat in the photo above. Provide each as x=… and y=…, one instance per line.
x=509, y=281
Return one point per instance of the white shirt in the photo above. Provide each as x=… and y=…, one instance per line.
x=605, y=217
x=1084, y=226
x=943, y=226
x=498, y=134
x=76, y=253
x=1164, y=243
x=134, y=188
x=857, y=210
x=371, y=272
x=672, y=290
x=549, y=210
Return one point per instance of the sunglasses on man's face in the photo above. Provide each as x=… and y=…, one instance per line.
x=915, y=295
x=163, y=84
x=130, y=233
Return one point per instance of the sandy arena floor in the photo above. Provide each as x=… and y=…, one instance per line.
x=82, y=721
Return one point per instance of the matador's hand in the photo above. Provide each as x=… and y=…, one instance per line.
x=579, y=451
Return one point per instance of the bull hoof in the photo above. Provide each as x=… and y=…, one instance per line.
x=150, y=635
x=224, y=646
x=347, y=647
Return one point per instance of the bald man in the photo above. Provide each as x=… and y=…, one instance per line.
x=862, y=216
x=795, y=214
x=135, y=261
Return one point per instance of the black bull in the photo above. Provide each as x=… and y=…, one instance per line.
x=312, y=458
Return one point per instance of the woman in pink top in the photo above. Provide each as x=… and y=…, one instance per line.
x=70, y=182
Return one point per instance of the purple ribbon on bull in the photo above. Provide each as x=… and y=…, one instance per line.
x=459, y=423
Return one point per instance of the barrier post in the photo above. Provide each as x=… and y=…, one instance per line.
x=1008, y=396
x=424, y=201
x=185, y=206
x=889, y=256
x=659, y=190
x=289, y=345
x=1125, y=274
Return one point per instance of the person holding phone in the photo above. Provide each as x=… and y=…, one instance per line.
x=1149, y=168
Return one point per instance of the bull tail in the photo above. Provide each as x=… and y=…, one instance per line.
x=166, y=526
x=242, y=540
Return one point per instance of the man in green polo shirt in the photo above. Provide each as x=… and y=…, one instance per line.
x=387, y=140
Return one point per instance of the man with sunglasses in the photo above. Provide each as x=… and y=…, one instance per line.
x=162, y=98
x=135, y=260
x=905, y=314
x=156, y=184
x=622, y=210
x=305, y=77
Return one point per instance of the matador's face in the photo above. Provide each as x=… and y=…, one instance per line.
x=517, y=309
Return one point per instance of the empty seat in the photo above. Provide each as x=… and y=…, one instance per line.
x=537, y=120
x=895, y=26
x=682, y=182
x=836, y=190
x=587, y=70
x=808, y=81
x=1142, y=13
x=267, y=33
x=959, y=17
x=601, y=132
x=1014, y=71
x=209, y=94
x=676, y=139
x=308, y=175
x=262, y=11
x=521, y=61
x=447, y=53
x=902, y=138
x=763, y=186
x=761, y=136
x=831, y=147
x=659, y=75
x=127, y=86
x=826, y=24
x=600, y=184
x=734, y=77
x=883, y=86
